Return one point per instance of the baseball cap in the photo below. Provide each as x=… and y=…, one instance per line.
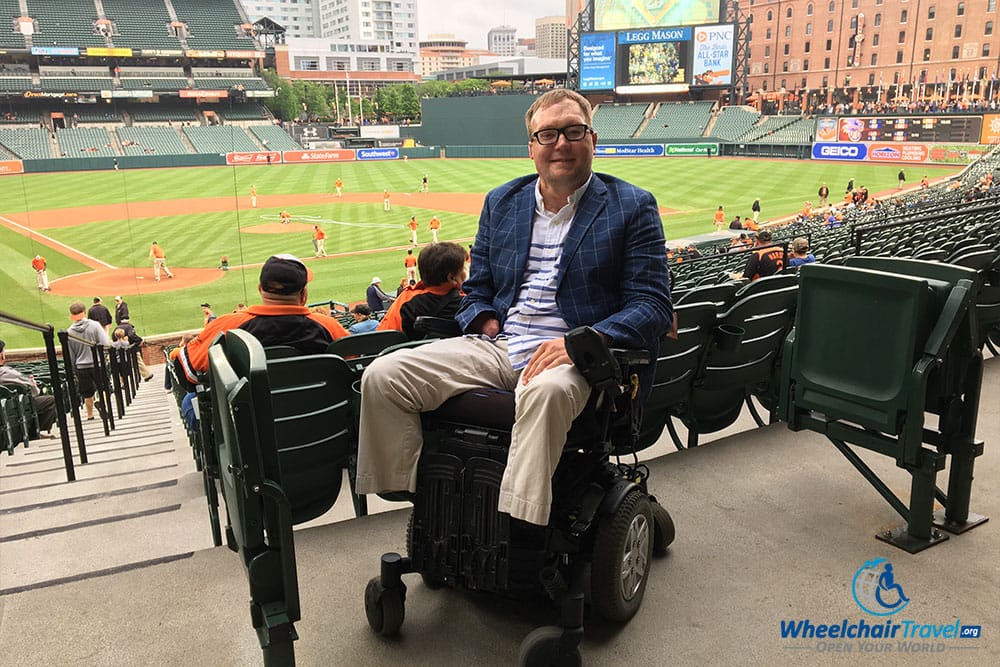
x=284, y=274
x=118, y=297
x=376, y=280
x=206, y=305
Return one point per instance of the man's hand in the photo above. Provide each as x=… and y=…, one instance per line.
x=486, y=324
x=549, y=354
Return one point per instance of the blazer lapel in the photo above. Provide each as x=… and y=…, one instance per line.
x=591, y=205
x=524, y=215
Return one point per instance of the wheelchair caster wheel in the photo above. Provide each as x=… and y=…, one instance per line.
x=548, y=647
x=385, y=607
x=622, y=552
x=664, y=532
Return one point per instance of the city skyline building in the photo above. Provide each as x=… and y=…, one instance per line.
x=502, y=40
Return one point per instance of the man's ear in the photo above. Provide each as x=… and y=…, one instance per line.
x=304, y=296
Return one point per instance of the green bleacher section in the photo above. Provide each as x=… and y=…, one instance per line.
x=27, y=143
x=212, y=24
x=733, y=122
x=678, y=120
x=160, y=113
x=223, y=83
x=64, y=23
x=618, y=121
x=15, y=83
x=158, y=84
x=147, y=140
x=9, y=10
x=91, y=115
x=79, y=84
x=764, y=132
x=217, y=139
x=140, y=24
x=249, y=111
x=274, y=138
x=798, y=132
x=85, y=142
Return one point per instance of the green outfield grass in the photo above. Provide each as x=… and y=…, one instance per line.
x=694, y=187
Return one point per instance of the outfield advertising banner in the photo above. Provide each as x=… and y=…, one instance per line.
x=253, y=158
x=898, y=152
x=597, y=61
x=829, y=151
x=11, y=167
x=683, y=150
x=333, y=155
x=378, y=153
x=629, y=150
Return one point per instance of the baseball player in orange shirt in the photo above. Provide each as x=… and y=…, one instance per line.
x=40, y=266
x=159, y=261
x=413, y=229
x=319, y=241
x=435, y=225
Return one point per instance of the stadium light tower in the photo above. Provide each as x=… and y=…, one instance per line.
x=584, y=23
x=738, y=89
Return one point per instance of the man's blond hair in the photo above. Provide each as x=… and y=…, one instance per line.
x=555, y=97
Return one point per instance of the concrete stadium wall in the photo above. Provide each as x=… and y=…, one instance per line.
x=474, y=121
x=124, y=162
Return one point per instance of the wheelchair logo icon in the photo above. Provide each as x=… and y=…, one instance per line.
x=876, y=590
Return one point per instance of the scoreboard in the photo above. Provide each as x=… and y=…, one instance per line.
x=923, y=129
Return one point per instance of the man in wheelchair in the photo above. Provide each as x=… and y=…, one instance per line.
x=562, y=249
x=554, y=251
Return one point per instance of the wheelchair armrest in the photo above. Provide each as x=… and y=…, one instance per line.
x=599, y=364
x=437, y=327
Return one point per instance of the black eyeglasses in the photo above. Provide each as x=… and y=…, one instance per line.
x=550, y=135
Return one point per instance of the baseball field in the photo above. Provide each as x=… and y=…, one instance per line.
x=95, y=228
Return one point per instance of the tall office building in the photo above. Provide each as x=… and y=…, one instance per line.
x=551, y=37
x=393, y=22
x=502, y=40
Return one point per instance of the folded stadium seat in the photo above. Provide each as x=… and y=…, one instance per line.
x=863, y=387
x=284, y=430
x=741, y=360
x=718, y=294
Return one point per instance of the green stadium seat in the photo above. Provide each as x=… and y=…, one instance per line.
x=284, y=431
x=865, y=387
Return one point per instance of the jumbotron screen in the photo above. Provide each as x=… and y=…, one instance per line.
x=632, y=14
x=641, y=59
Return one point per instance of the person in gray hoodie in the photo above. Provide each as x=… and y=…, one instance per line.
x=83, y=358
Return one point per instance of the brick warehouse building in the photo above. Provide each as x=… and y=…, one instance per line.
x=873, y=51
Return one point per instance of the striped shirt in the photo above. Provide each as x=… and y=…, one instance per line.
x=535, y=318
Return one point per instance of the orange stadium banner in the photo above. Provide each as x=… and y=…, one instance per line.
x=253, y=158
x=11, y=167
x=991, y=129
x=333, y=155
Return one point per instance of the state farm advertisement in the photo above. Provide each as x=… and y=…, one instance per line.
x=332, y=155
x=253, y=158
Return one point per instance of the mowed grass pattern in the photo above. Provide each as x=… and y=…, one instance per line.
x=692, y=188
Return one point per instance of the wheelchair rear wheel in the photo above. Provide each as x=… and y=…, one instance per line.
x=622, y=552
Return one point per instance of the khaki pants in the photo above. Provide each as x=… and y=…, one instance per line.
x=396, y=388
x=160, y=264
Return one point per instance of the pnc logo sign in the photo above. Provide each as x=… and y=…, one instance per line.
x=822, y=151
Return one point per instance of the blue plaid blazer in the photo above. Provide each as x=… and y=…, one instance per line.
x=613, y=271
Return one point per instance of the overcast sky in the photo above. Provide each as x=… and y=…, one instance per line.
x=472, y=19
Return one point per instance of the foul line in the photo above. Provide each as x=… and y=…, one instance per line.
x=54, y=243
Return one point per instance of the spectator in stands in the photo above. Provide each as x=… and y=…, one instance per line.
x=134, y=338
x=375, y=297
x=100, y=314
x=121, y=310
x=766, y=261
x=363, y=322
x=82, y=355
x=282, y=318
x=404, y=284
x=736, y=224
x=442, y=272
x=800, y=253
x=513, y=297
x=45, y=405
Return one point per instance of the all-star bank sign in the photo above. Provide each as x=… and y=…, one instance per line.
x=876, y=592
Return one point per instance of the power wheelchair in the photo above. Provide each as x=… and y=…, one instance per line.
x=604, y=524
